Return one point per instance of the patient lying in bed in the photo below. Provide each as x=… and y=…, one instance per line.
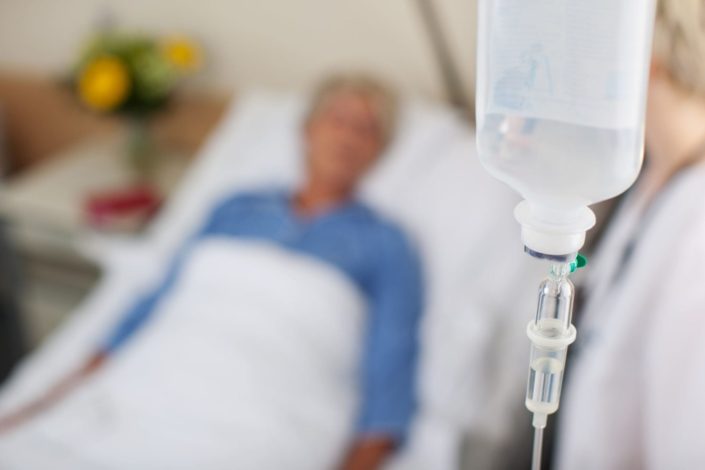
x=320, y=230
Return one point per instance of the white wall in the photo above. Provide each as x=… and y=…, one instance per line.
x=281, y=43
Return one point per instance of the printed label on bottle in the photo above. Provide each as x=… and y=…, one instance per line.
x=576, y=61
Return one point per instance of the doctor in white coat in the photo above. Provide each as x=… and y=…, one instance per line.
x=635, y=394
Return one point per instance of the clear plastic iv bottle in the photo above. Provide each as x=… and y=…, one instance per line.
x=560, y=104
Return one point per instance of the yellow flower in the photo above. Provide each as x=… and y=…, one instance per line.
x=104, y=83
x=184, y=54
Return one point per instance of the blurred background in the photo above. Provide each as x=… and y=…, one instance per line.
x=254, y=43
x=106, y=109
x=72, y=170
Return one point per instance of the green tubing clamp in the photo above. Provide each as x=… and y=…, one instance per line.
x=580, y=262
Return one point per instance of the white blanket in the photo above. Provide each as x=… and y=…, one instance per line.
x=249, y=363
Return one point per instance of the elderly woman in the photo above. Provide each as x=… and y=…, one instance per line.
x=350, y=122
x=634, y=396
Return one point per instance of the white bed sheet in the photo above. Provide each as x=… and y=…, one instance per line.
x=432, y=184
x=259, y=343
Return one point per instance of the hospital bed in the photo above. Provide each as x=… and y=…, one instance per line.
x=431, y=184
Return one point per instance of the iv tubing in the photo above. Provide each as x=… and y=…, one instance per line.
x=550, y=334
x=538, y=448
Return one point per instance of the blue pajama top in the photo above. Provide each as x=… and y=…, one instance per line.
x=372, y=252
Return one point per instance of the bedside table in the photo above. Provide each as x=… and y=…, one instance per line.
x=43, y=209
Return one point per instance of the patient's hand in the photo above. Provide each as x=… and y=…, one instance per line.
x=369, y=453
x=53, y=395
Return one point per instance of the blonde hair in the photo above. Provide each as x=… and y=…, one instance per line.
x=679, y=42
x=379, y=93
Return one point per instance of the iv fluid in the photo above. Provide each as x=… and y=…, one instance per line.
x=561, y=91
x=560, y=165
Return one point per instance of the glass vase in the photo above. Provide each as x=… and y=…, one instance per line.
x=141, y=151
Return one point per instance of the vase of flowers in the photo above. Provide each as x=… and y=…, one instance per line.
x=134, y=76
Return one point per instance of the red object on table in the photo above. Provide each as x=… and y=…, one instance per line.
x=139, y=203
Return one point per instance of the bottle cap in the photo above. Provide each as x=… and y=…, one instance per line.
x=553, y=233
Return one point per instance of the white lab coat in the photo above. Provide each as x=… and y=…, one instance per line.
x=635, y=395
